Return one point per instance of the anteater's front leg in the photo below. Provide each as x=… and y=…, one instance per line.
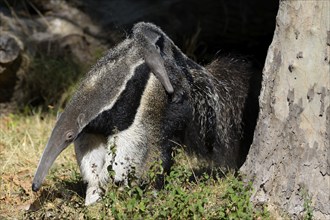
x=93, y=159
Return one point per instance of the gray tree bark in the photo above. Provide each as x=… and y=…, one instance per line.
x=289, y=159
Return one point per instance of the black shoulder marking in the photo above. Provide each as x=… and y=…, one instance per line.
x=122, y=114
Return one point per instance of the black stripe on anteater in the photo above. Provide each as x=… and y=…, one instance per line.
x=122, y=114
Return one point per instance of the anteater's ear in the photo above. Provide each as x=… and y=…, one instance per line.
x=156, y=65
x=149, y=37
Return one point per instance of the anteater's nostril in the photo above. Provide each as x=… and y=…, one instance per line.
x=35, y=188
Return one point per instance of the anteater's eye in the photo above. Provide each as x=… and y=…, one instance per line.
x=69, y=136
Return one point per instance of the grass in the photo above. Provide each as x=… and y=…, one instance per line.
x=185, y=196
x=22, y=139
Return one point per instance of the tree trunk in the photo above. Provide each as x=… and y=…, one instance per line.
x=289, y=159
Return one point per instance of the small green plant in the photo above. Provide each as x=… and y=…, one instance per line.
x=184, y=196
x=236, y=202
x=177, y=200
x=307, y=206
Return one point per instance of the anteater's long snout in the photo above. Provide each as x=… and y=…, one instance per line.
x=51, y=152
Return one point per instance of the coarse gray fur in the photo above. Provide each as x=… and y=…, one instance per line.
x=139, y=99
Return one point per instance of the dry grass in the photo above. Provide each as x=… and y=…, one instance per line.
x=22, y=140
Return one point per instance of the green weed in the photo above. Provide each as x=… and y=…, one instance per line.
x=184, y=196
x=308, y=208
